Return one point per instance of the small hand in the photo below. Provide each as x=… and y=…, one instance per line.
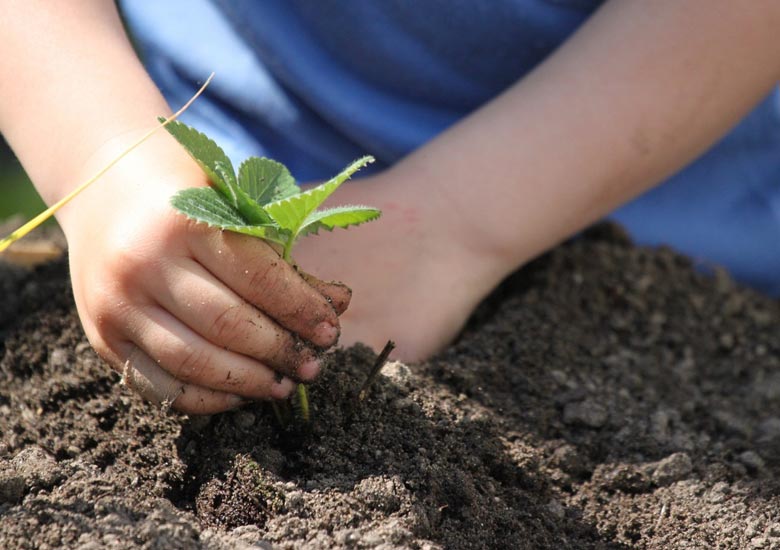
x=416, y=275
x=190, y=315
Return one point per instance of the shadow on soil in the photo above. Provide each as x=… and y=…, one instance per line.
x=413, y=462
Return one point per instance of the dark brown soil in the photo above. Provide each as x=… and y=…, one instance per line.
x=605, y=397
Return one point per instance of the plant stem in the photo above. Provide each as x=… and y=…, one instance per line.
x=287, y=250
x=303, y=395
x=303, y=401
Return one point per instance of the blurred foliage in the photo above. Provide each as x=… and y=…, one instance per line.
x=17, y=195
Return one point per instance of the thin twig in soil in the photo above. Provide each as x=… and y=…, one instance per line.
x=378, y=364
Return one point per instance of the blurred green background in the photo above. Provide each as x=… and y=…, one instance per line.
x=17, y=195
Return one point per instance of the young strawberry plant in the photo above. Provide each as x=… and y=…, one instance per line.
x=263, y=201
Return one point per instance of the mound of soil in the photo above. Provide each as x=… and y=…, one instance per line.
x=606, y=396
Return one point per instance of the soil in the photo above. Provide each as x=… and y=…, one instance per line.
x=606, y=396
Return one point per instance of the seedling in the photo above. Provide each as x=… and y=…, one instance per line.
x=263, y=201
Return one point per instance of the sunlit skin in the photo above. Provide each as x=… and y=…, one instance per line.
x=639, y=91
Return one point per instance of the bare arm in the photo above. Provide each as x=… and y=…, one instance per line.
x=71, y=84
x=637, y=93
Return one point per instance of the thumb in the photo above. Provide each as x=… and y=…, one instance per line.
x=338, y=294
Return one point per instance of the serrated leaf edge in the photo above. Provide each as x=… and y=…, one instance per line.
x=325, y=189
x=345, y=209
x=262, y=231
x=294, y=189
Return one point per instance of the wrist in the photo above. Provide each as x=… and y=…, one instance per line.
x=143, y=180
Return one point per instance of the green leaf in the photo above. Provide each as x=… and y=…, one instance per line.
x=347, y=172
x=206, y=205
x=291, y=213
x=266, y=180
x=264, y=200
x=217, y=166
x=209, y=156
x=340, y=216
x=250, y=210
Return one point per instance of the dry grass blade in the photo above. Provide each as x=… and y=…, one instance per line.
x=49, y=212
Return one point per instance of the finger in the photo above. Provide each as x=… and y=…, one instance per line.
x=256, y=273
x=208, y=307
x=338, y=294
x=141, y=374
x=190, y=358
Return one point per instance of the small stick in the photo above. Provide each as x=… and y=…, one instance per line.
x=378, y=364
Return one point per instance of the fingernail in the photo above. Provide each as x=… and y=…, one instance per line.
x=308, y=370
x=325, y=334
x=282, y=389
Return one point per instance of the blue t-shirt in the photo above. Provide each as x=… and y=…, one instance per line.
x=318, y=83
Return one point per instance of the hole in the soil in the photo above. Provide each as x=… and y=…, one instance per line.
x=62, y=454
x=633, y=532
x=105, y=460
x=107, y=420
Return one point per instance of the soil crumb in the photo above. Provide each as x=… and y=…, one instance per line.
x=606, y=396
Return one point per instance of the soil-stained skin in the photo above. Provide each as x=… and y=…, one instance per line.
x=605, y=397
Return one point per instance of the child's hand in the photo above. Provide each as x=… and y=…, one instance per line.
x=194, y=316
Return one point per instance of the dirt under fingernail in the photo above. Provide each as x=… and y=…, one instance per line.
x=325, y=334
x=308, y=370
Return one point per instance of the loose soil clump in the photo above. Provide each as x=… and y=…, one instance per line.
x=606, y=396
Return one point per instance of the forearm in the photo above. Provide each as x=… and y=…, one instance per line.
x=72, y=83
x=638, y=92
